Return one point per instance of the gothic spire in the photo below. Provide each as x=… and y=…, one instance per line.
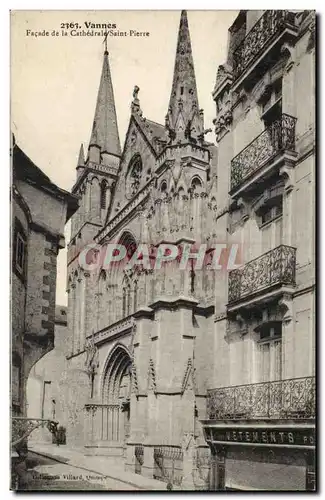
x=81, y=161
x=104, y=132
x=184, y=121
x=81, y=157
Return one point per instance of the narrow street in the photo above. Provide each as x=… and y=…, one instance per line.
x=47, y=474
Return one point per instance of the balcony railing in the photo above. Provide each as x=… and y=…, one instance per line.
x=278, y=266
x=291, y=398
x=278, y=137
x=261, y=36
x=22, y=427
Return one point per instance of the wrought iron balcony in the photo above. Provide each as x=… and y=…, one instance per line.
x=267, y=29
x=287, y=399
x=276, y=267
x=22, y=427
x=277, y=138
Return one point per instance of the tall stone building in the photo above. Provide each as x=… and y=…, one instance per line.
x=139, y=338
x=261, y=409
x=40, y=210
x=148, y=347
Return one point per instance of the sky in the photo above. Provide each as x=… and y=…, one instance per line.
x=55, y=79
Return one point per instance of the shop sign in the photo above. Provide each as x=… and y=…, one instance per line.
x=294, y=437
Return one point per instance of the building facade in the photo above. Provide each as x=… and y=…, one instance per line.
x=261, y=411
x=154, y=355
x=46, y=381
x=39, y=213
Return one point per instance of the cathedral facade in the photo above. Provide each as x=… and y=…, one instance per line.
x=140, y=338
x=149, y=348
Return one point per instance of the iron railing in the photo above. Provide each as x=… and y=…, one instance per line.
x=260, y=37
x=291, y=398
x=22, y=427
x=277, y=266
x=138, y=459
x=278, y=137
x=168, y=464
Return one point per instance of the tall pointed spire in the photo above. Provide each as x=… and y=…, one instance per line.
x=104, y=132
x=81, y=161
x=184, y=121
x=81, y=157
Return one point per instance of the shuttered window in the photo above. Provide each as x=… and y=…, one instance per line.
x=270, y=354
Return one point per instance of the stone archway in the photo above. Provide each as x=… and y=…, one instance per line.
x=116, y=389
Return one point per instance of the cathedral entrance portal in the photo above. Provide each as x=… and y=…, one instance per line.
x=115, y=407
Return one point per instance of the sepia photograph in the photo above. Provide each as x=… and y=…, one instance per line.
x=163, y=250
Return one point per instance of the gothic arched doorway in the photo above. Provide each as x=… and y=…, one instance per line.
x=116, y=391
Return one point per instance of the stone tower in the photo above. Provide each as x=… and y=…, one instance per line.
x=96, y=177
x=141, y=338
x=170, y=332
x=184, y=119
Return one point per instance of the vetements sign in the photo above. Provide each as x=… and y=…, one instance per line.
x=294, y=437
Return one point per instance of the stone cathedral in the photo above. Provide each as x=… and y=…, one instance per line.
x=195, y=375
x=138, y=338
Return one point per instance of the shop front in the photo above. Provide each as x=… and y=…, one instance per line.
x=261, y=455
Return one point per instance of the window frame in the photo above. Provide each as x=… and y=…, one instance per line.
x=103, y=191
x=271, y=341
x=20, y=252
x=275, y=208
x=19, y=238
x=134, y=176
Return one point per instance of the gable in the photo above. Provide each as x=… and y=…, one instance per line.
x=138, y=147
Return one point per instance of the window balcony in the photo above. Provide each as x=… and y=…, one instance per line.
x=272, y=147
x=273, y=27
x=263, y=275
x=281, y=399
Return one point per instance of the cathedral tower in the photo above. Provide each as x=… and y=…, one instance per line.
x=149, y=327
x=96, y=177
x=182, y=303
x=184, y=119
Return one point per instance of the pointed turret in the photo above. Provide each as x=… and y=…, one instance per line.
x=184, y=122
x=81, y=161
x=104, y=135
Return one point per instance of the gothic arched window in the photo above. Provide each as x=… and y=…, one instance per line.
x=128, y=300
x=163, y=188
x=135, y=297
x=128, y=241
x=196, y=190
x=102, y=281
x=124, y=302
x=103, y=189
x=134, y=175
x=196, y=185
